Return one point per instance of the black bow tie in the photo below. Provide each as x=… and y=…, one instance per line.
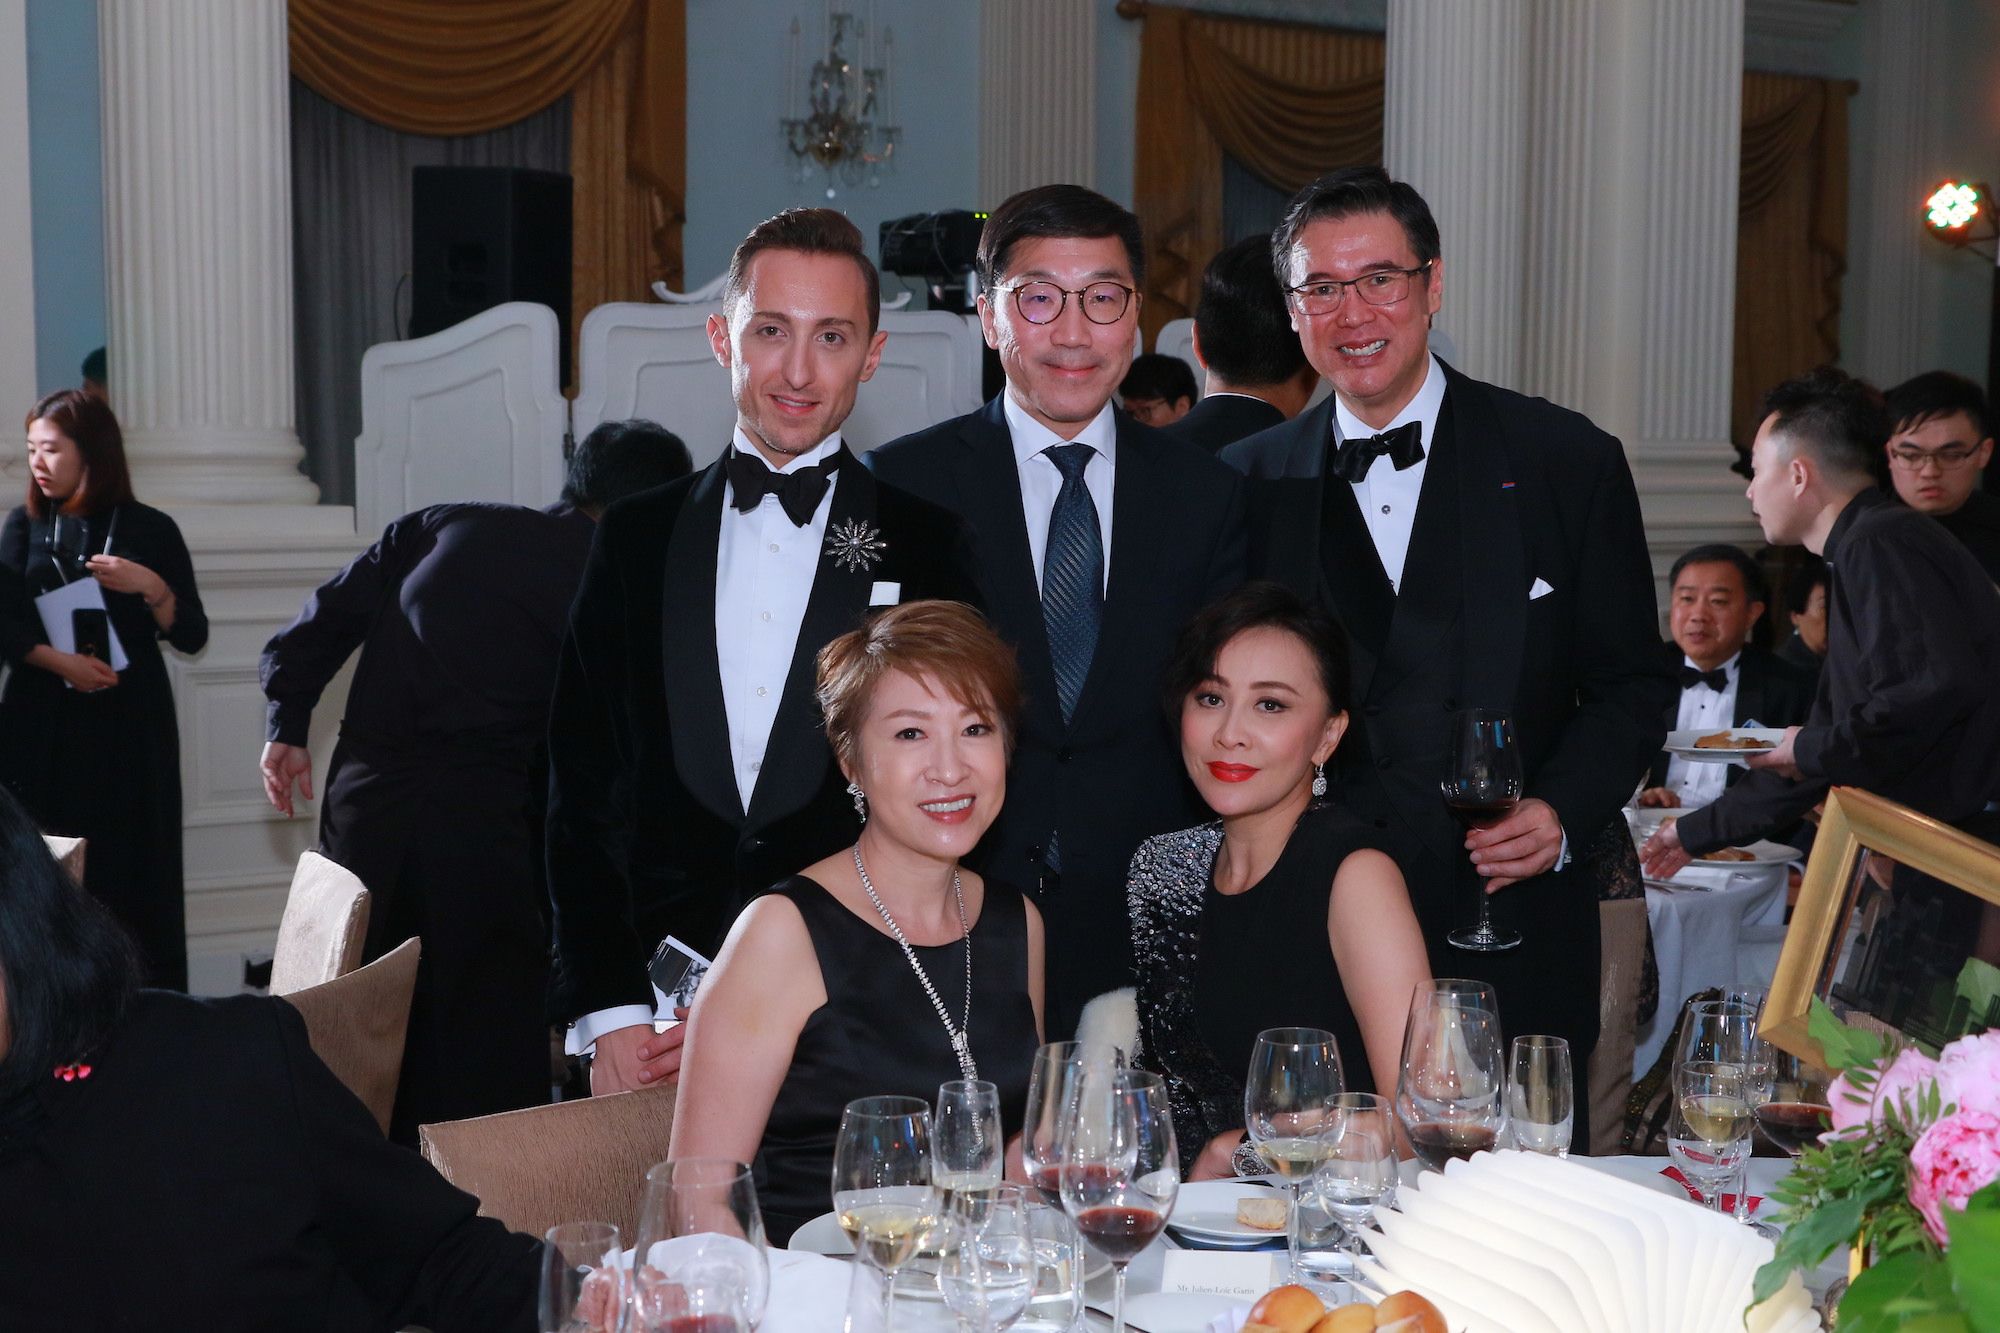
x=1715, y=680
x=1404, y=445
x=798, y=491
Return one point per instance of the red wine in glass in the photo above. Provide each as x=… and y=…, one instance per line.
x=1047, y=1181
x=1481, y=787
x=1119, y=1232
x=1475, y=812
x=1792, y=1126
x=1438, y=1142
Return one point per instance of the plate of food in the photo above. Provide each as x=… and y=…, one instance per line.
x=1722, y=747
x=1760, y=853
x=1228, y=1212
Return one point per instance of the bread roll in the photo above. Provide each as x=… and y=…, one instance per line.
x=1347, y=1319
x=1407, y=1312
x=1290, y=1309
x=1264, y=1214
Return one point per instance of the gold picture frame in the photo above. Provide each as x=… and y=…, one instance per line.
x=1855, y=822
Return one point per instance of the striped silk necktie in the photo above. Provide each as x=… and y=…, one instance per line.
x=1072, y=576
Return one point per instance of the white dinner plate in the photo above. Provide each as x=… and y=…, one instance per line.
x=1206, y=1210
x=822, y=1235
x=1682, y=743
x=1763, y=853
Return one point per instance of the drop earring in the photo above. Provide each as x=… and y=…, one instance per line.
x=1319, y=779
x=860, y=801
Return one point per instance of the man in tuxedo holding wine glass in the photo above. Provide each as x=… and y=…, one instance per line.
x=1483, y=550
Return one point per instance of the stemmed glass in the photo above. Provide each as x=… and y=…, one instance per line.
x=700, y=1265
x=582, y=1284
x=1052, y=1090
x=967, y=1148
x=1121, y=1169
x=1708, y=1130
x=986, y=1258
x=1287, y=1097
x=1541, y=1099
x=1448, y=1094
x=882, y=1190
x=1359, y=1173
x=1482, y=788
x=1793, y=1110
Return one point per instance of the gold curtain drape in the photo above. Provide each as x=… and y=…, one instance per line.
x=474, y=65
x=1288, y=101
x=1791, y=235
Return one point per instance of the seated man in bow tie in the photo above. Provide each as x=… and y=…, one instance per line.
x=688, y=769
x=1715, y=598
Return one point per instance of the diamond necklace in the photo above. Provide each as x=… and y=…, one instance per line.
x=960, y=1036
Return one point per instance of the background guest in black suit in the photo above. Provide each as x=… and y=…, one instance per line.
x=1258, y=375
x=222, y=1175
x=687, y=767
x=1939, y=445
x=1906, y=707
x=1095, y=539
x=435, y=795
x=1715, y=599
x=1494, y=559
x=1158, y=390
x=1805, y=607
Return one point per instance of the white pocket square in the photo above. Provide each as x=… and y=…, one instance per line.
x=885, y=594
x=1541, y=589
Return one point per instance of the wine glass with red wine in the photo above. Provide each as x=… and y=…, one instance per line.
x=1482, y=788
x=1121, y=1168
x=1796, y=1112
x=1052, y=1092
x=1449, y=1094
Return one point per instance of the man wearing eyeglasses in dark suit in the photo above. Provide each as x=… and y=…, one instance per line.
x=1938, y=453
x=1483, y=550
x=1095, y=539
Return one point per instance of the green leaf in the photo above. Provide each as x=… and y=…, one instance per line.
x=1973, y=1258
x=1894, y=1291
x=1843, y=1046
x=1979, y=983
x=1808, y=1241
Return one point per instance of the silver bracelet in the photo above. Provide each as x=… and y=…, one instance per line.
x=1247, y=1161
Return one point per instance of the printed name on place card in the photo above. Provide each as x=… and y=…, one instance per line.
x=1218, y=1273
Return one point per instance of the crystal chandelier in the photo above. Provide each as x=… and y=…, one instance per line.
x=848, y=129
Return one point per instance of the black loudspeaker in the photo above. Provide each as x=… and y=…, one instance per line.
x=482, y=236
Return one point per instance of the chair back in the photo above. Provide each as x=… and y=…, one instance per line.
x=566, y=1162
x=325, y=921
x=357, y=1024
x=68, y=853
x=1622, y=925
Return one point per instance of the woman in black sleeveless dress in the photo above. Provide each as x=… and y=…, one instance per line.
x=1283, y=913
x=858, y=976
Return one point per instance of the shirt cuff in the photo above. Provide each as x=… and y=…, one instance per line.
x=1562, y=855
x=583, y=1033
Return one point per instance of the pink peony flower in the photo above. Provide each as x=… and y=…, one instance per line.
x=1955, y=1159
x=1899, y=1084
x=1971, y=1068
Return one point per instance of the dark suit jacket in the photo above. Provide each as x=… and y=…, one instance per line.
x=1517, y=493
x=647, y=835
x=1112, y=777
x=1225, y=418
x=212, y=1173
x=1769, y=693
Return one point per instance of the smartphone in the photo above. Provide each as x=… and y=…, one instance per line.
x=92, y=627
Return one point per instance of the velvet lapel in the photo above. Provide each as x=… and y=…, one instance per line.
x=693, y=682
x=796, y=756
x=1494, y=550
x=989, y=493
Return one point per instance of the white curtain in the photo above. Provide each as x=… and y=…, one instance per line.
x=351, y=251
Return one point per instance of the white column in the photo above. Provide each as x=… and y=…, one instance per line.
x=18, y=380
x=198, y=271
x=1037, y=95
x=1456, y=127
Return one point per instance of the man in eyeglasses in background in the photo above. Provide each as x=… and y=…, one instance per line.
x=1483, y=550
x=1096, y=538
x=1938, y=453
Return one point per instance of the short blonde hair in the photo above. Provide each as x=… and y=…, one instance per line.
x=948, y=642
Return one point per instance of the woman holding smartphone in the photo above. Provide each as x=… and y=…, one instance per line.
x=93, y=751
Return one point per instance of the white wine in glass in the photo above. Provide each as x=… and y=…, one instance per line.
x=882, y=1191
x=1288, y=1097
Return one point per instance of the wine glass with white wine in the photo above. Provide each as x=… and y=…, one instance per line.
x=882, y=1191
x=1288, y=1109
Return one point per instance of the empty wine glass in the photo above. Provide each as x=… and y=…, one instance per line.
x=582, y=1284
x=699, y=1265
x=1121, y=1169
x=1708, y=1128
x=1448, y=1093
x=1357, y=1176
x=986, y=1259
x=966, y=1148
x=1541, y=1099
x=1481, y=788
x=1294, y=1076
x=882, y=1190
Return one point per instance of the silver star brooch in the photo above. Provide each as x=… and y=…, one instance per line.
x=855, y=545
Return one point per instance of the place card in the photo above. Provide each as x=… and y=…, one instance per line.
x=1219, y=1273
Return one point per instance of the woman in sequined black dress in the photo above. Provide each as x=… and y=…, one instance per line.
x=1285, y=912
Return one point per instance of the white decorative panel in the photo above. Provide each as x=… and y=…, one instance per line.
x=471, y=412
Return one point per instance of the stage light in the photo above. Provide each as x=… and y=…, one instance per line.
x=1953, y=206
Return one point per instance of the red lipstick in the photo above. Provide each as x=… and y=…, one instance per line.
x=1232, y=772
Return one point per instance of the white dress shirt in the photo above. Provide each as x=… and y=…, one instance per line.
x=1388, y=497
x=1705, y=709
x=1041, y=479
x=764, y=571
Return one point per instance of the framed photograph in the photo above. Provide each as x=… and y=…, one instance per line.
x=1897, y=927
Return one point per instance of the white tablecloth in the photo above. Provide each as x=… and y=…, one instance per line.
x=1715, y=927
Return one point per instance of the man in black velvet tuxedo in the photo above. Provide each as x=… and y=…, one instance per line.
x=1096, y=538
x=1715, y=598
x=1493, y=559
x=688, y=767
x=1258, y=376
